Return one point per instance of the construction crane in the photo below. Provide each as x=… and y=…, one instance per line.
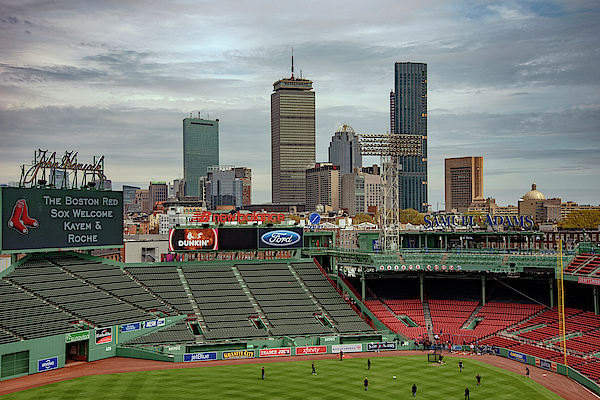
x=389, y=147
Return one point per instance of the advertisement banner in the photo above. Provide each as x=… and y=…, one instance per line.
x=193, y=239
x=136, y=326
x=154, y=323
x=77, y=336
x=35, y=218
x=276, y=238
x=103, y=335
x=381, y=346
x=588, y=281
x=228, y=355
x=513, y=355
x=550, y=366
x=47, y=364
x=302, y=351
x=238, y=238
x=285, y=351
x=346, y=348
x=192, y=357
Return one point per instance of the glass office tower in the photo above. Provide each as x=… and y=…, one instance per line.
x=200, y=151
x=409, y=116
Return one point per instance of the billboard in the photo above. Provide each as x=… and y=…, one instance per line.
x=34, y=218
x=193, y=239
x=280, y=238
x=283, y=351
x=104, y=335
x=513, y=355
x=381, y=346
x=227, y=355
x=192, y=357
x=47, y=364
x=302, y=351
x=238, y=238
x=346, y=348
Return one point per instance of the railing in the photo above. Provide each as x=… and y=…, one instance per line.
x=356, y=309
x=347, y=282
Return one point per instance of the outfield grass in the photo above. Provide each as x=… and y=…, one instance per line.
x=293, y=380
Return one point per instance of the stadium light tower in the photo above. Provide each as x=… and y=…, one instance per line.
x=389, y=147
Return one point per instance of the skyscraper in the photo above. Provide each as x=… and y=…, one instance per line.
x=223, y=188
x=292, y=138
x=323, y=186
x=409, y=116
x=463, y=182
x=245, y=175
x=344, y=150
x=200, y=151
x=157, y=191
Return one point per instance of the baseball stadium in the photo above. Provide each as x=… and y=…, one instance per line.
x=234, y=299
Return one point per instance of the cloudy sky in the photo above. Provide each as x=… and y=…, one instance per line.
x=517, y=82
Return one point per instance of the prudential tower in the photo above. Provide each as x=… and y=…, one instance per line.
x=292, y=138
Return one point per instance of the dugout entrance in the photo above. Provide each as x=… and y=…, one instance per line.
x=77, y=351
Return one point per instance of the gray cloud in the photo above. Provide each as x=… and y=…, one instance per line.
x=513, y=82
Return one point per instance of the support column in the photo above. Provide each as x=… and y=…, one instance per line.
x=596, y=305
x=421, y=287
x=483, y=289
x=363, y=284
x=552, y=291
x=13, y=258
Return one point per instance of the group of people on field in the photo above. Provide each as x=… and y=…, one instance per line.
x=414, y=386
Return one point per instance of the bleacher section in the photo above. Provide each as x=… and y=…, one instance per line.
x=164, y=282
x=29, y=317
x=345, y=318
x=112, y=279
x=539, y=336
x=583, y=264
x=448, y=316
x=177, y=333
x=498, y=316
x=225, y=306
x=411, y=308
x=73, y=295
x=286, y=305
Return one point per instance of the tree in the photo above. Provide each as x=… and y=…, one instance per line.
x=412, y=216
x=362, y=217
x=583, y=219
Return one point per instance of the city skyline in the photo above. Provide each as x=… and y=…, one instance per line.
x=512, y=82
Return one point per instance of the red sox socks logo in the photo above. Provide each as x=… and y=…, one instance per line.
x=20, y=220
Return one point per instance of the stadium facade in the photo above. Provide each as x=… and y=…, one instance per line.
x=265, y=289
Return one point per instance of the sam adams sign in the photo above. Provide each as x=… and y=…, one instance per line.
x=519, y=221
x=35, y=218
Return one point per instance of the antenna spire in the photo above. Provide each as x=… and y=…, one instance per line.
x=292, y=63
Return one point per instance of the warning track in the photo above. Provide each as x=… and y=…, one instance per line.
x=559, y=384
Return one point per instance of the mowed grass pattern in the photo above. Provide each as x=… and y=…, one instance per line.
x=335, y=379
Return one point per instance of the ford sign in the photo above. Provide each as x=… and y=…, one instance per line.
x=280, y=238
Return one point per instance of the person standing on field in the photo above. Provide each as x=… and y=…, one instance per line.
x=478, y=380
x=314, y=372
x=263, y=373
x=414, y=390
x=368, y=364
x=366, y=383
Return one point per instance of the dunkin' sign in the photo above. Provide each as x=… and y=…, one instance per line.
x=302, y=351
x=193, y=239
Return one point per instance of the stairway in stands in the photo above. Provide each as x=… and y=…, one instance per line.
x=428, y=321
x=471, y=317
x=259, y=311
x=188, y=291
x=312, y=297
